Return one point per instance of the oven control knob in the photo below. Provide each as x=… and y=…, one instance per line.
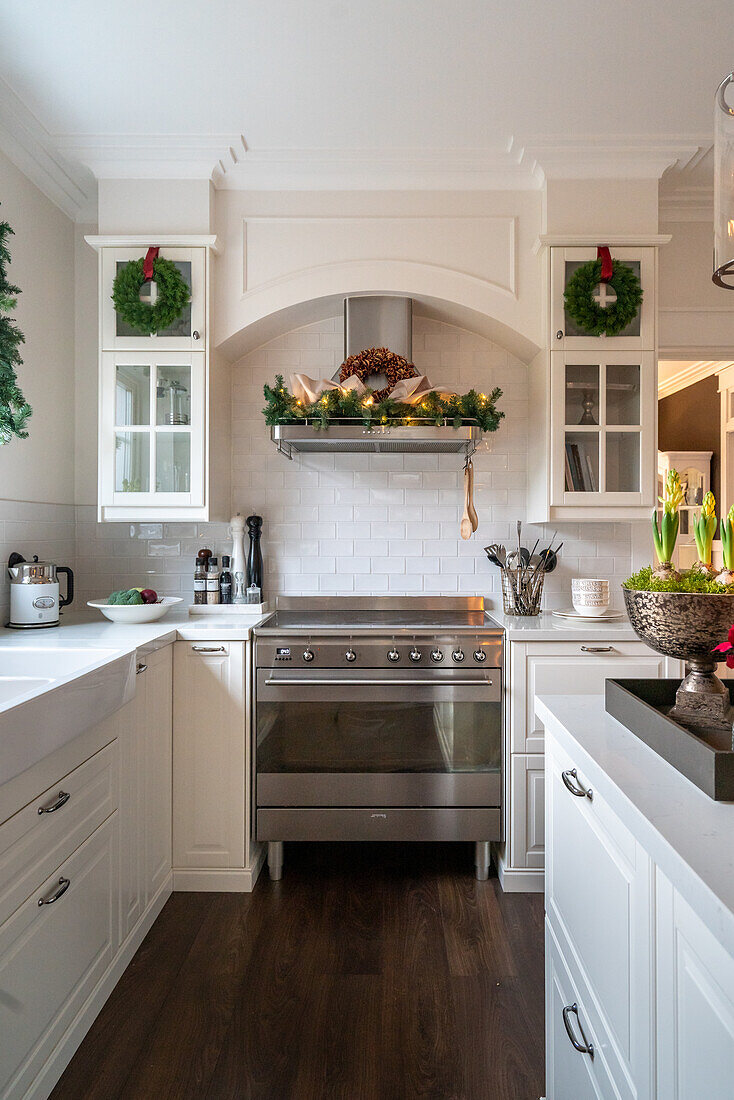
x=308, y=655
x=436, y=655
x=415, y=654
x=350, y=656
x=480, y=655
x=393, y=655
x=458, y=656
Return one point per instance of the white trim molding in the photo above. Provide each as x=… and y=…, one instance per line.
x=690, y=374
x=31, y=148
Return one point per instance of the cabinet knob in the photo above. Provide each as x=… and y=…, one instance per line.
x=559, y=334
x=141, y=668
x=196, y=334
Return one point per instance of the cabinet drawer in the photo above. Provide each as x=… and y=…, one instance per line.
x=34, y=843
x=571, y=1074
x=571, y=668
x=52, y=955
x=598, y=902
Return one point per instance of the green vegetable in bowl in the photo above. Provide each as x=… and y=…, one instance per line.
x=126, y=597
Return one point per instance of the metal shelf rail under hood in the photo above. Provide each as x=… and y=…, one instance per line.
x=425, y=438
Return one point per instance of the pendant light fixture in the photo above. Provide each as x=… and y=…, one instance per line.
x=724, y=187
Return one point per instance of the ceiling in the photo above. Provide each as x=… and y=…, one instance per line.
x=327, y=93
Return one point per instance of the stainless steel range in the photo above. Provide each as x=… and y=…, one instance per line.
x=378, y=719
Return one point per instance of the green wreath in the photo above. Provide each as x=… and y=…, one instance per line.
x=173, y=295
x=587, y=314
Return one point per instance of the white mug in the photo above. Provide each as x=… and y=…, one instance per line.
x=590, y=595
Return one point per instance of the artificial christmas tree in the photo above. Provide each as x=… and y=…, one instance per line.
x=14, y=410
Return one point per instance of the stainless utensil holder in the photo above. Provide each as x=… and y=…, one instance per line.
x=522, y=590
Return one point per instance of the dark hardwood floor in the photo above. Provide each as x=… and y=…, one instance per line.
x=370, y=972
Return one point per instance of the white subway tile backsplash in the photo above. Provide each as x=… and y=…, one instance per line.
x=362, y=523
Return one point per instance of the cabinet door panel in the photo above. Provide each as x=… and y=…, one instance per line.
x=563, y=668
x=209, y=774
x=695, y=1003
x=117, y=334
x=598, y=897
x=132, y=813
x=640, y=334
x=52, y=956
x=527, y=818
x=157, y=754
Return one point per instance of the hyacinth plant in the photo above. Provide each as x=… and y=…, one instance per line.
x=726, y=576
x=665, y=532
x=704, y=529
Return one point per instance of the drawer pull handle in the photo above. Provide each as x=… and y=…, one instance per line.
x=583, y=1047
x=142, y=667
x=64, y=884
x=208, y=649
x=597, y=648
x=63, y=798
x=572, y=784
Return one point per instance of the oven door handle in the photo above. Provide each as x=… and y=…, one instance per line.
x=377, y=683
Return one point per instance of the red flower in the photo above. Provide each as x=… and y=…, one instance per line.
x=727, y=648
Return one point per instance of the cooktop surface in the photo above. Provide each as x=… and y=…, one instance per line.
x=352, y=619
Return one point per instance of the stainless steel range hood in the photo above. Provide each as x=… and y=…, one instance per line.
x=377, y=321
x=345, y=438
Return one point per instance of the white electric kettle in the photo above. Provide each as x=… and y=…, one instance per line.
x=35, y=600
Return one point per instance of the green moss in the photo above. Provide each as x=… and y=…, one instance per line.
x=691, y=581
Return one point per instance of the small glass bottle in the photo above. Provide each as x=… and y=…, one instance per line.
x=212, y=581
x=199, y=581
x=225, y=581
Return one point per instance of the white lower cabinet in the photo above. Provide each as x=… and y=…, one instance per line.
x=53, y=954
x=145, y=729
x=695, y=1003
x=211, y=767
x=552, y=668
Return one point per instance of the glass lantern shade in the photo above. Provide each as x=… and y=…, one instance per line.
x=724, y=186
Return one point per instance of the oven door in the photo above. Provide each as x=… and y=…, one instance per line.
x=378, y=737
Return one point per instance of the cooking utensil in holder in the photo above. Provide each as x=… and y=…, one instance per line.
x=522, y=589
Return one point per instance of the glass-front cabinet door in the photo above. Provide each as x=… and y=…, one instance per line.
x=152, y=432
x=603, y=414
x=639, y=333
x=186, y=333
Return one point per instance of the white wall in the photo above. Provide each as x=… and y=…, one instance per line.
x=37, y=474
x=361, y=523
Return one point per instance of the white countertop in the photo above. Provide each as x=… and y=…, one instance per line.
x=547, y=627
x=687, y=834
x=90, y=628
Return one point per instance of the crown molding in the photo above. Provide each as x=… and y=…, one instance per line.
x=643, y=156
x=617, y=240
x=688, y=376
x=31, y=148
x=694, y=203
x=166, y=240
x=154, y=156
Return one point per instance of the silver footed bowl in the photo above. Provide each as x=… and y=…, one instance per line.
x=686, y=625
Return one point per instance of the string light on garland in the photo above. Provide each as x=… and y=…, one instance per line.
x=344, y=406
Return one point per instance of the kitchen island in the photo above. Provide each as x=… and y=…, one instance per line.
x=639, y=917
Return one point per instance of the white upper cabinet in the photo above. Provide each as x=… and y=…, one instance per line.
x=187, y=333
x=638, y=335
x=158, y=395
x=593, y=399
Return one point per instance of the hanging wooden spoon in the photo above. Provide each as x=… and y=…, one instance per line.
x=472, y=510
x=466, y=530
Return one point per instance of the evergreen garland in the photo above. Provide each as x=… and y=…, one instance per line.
x=173, y=295
x=14, y=409
x=587, y=314
x=337, y=406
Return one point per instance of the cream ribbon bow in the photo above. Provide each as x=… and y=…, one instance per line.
x=307, y=390
x=413, y=390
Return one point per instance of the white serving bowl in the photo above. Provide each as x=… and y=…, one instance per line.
x=135, y=612
x=590, y=596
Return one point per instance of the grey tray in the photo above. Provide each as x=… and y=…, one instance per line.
x=706, y=758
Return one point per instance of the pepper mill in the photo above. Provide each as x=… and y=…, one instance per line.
x=254, y=557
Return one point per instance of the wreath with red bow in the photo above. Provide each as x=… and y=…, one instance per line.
x=173, y=293
x=592, y=317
